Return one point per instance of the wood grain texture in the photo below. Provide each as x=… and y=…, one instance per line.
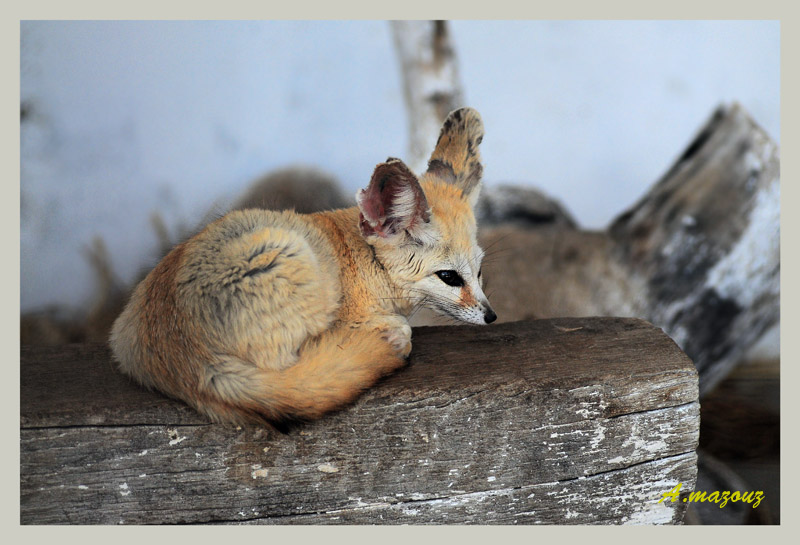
x=554, y=421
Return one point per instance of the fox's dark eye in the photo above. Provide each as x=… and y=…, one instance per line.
x=480, y=271
x=451, y=278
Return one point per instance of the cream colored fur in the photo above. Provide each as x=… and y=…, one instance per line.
x=270, y=316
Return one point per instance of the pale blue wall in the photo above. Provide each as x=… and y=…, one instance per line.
x=131, y=118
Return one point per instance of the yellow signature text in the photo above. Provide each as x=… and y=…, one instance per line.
x=721, y=498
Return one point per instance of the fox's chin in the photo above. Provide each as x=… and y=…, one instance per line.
x=472, y=321
x=472, y=318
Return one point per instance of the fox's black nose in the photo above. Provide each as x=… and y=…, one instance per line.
x=489, y=316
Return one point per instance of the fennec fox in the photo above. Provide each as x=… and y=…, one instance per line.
x=274, y=317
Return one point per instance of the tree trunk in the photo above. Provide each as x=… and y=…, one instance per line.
x=431, y=85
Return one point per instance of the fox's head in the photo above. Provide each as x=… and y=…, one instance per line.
x=424, y=232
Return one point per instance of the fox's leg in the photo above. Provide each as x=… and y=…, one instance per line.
x=336, y=367
x=394, y=329
x=331, y=370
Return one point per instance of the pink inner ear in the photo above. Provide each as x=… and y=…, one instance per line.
x=373, y=212
x=393, y=201
x=367, y=229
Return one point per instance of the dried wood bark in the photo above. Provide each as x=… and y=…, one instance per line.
x=698, y=256
x=554, y=421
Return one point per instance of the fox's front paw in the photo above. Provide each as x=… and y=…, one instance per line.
x=396, y=331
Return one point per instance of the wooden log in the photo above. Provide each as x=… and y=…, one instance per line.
x=698, y=256
x=556, y=421
x=706, y=242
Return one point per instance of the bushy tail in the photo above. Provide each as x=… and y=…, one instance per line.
x=456, y=158
x=331, y=372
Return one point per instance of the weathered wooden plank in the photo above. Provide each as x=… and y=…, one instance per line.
x=520, y=422
x=598, y=499
x=78, y=385
x=202, y=473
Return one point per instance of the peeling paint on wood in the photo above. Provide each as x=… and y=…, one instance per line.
x=568, y=421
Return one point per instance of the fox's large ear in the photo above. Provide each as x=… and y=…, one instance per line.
x=393, y=203
x=456, y=159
